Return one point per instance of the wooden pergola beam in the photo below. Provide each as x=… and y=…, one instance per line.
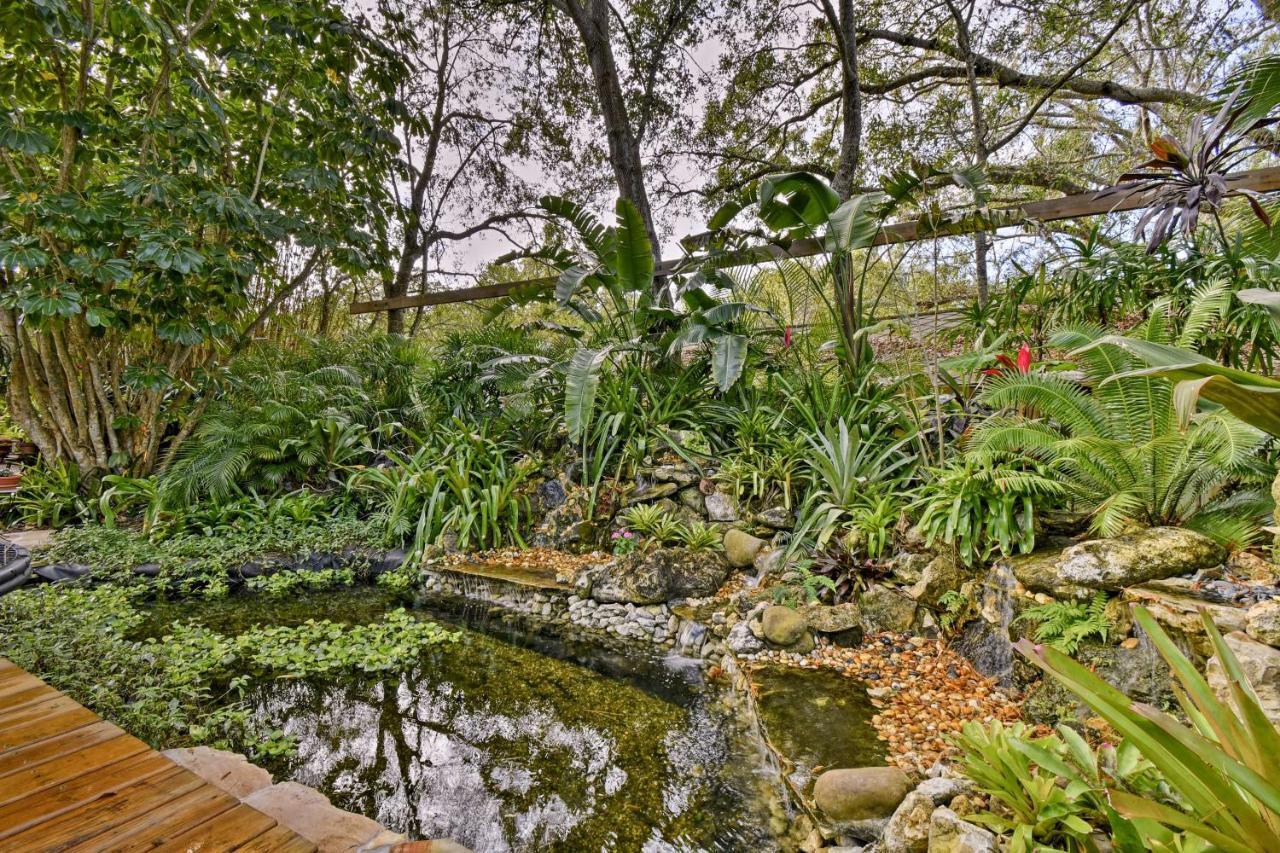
x=1110, y=200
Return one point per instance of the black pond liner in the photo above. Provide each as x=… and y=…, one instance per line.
x=15, y=566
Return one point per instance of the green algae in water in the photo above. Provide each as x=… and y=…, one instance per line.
x=516, y=744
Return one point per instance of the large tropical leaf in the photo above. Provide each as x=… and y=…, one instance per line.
x=727, y=360
x=580, y=382
x=796, y=200
x=854, y=224
x=570, y=280
x=1253, y=398
x=634, y=251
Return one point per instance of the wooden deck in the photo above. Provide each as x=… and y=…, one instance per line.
x=72, y=781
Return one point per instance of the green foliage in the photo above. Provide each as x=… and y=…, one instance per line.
x=981, y=506
x=1222, y=766
x=801, y=585
x=286, y=583
x=51, y=494
x=1115, y=445
x=1051, y=790
x=699, y=536
x=651, y=520
x=1066, y=624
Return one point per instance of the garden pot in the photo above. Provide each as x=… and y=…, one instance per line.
x=6, y=445
x=26, y=449
x=10, y=481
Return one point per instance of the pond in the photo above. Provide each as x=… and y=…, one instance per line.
x=509, y=741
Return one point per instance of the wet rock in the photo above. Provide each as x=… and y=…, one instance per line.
x=833, y=618
x=1180, y=615
x=988, y=648
x=742, y=641
x=680, y=474
x=1158, y=552
x=1262, y=622
x=229, y=771
x=721, y=507
x=862, y=793
x=657, y=576
x=694, y=574
x=1252, y=566
x=886, y=609
x=1038, y=572
x=775, y=518
x=1138, y=672
x=782, y=626
x=563, y=526
x=740, y=547
x=907, y=567
x=948, y=833
x=939, y=576
x=769, y=561
x=650, y=493
x=691, y=498
x=1261, y=666
x=549, y=495
x=908, y=828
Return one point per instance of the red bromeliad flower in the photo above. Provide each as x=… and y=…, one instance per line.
x=786, y=338
x=1022, y=365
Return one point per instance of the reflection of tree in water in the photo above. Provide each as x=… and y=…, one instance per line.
x=504, y=748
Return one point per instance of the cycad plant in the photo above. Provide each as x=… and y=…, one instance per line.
x=1115, y=443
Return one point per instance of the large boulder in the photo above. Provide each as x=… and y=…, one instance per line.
x=1261, y=666
x=948, y=833
x=695, y=574
x=775, y=518
x=658, y=576
x=1262, y=622
x=682, y=474
x=886, y=609
x=649, y=492
x=740, y=547
x=862, y=793
x=1152, y=554
x=782, y=626
x=988, y=648
x=833, y=618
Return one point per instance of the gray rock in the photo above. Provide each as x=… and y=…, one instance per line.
x=775, y=518
x=833, y=618
x=1262, y=622
x=740, y=547
x=1139, y=673
x=1158, y=552
x=988, y=648
x=658, y=576
x=939, y=576
x=886, y=609
x=782, y=626
x=681, y=474
x=907, y=567
x=549, y=495
x=742, y=641
x=691, y=498
x=908, y=828
x=862, y=793
x=949, y=834
x=1261, y=666
x=943, y=789
x=721, y=507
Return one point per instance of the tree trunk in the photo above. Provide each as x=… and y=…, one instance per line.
x=981, y=243
x=846, y=28
x=591, y=18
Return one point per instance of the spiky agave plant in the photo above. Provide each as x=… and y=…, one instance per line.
x=1116, y=443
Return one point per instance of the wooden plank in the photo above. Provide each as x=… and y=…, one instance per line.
x=1109, y=200
x=49, y=719
x=279, y=839
x=101, y=818
x=162, y=824
x=28, y=782
x=38, y=752
x=45, y=805
x=21, y=693
x=238, y=825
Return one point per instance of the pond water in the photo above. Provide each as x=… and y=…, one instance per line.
x=507, y=741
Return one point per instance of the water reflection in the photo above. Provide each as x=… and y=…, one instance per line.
x=506, y=747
